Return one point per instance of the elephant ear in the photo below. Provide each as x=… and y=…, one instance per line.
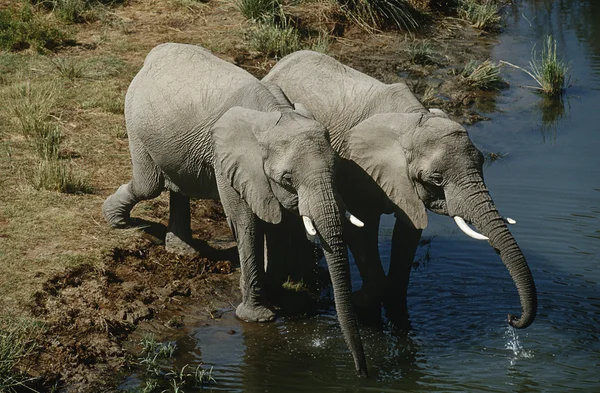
x=239, y=158
x=375, y=146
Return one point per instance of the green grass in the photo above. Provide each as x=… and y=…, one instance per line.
x=273, y=40
x=551, y=74
x=76, y=11
x=259, y=10
x=17, y=341
x=376, y=14
x=69, y=68
x=482, y=14
x=26, y=27
x=59, y=175
x=421, y=52
x=484, y=76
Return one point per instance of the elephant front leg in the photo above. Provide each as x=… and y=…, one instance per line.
x=363, y=243
x=249, y=234
x=179, y=231
x=405, y=240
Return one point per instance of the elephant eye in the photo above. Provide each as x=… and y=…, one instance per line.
x=437, y=179
x=286, y=179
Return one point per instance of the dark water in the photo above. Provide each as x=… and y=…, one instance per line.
x=549, y=182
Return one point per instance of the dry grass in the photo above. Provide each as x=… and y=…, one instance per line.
x=484, y=76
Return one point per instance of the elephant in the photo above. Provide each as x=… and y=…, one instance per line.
x=201, y=127
x=399, y=157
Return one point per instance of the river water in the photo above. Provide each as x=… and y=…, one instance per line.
x=459, y=296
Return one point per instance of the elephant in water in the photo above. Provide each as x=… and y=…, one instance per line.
x=201, y=127
x=398, y=157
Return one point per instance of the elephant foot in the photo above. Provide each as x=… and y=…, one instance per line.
x=396, y=312
x=176, y=245
x=254, y=313
x=115, y=213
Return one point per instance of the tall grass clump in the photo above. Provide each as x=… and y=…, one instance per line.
x=484, y=76
x=551, y=74
x=259, y=10
x=16, y=343
x=30, y=106
x=421, y=52
x=483, y=14
x=375, y=14
x=274, y=40
x=24, y=28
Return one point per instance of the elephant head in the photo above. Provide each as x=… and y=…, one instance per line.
x=427, y=161
x=282, y=159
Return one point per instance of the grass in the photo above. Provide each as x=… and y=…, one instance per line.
x=372, y=15
x=482, y=14
x=421, y=52
x=259, y=10
x=273, y=40
x=17, y=341
x=484, y=76
x=158, y=374
x=551, y=74
x=59, y=175
x=69, y=68
x=26, y=27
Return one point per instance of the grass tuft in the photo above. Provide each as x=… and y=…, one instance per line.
x=273, y=40
x=16, y=343
x=69, y=68
x=30, y=105
x=421, y=52
x=485, y=76
x=259, y=10
x=375, y=14
x=550, y=73
x=484, y=14
x=58, y=175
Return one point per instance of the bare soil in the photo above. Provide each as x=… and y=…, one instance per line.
x=93, y=286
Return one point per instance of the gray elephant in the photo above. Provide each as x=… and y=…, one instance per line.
x=398, y=157
x=201, y=127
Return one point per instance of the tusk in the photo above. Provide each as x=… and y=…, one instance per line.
x=509, y=220
x=310, y=228
x=355, y=221
x=467, y=230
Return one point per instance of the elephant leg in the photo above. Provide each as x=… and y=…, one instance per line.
x=147, y=183
x=249, y=233
x=364, y=245
x=179, y=231
x=405, y=240
x=277, y=254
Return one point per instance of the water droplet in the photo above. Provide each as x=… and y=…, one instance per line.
x=513, y=344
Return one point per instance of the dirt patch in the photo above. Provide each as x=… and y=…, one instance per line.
x=89, y=311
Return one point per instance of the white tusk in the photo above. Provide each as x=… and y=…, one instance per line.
x=467, y=230
x=310, y=228
x=355, y=221
x=509, y=220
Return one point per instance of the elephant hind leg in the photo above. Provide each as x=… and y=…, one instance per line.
x=147, y=183
x=179, y=232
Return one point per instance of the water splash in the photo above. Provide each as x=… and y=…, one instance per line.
x=513, y=344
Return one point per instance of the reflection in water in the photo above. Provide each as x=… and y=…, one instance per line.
x=553, y=110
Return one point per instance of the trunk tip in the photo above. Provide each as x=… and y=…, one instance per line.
x=519, y=323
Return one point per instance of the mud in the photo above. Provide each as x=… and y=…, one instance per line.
x=89, y=312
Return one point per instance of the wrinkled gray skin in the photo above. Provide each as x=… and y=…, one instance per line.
x=398, y=157
x=204, y=128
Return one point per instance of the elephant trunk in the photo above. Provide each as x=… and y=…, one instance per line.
x=477, y=207
x=323, y=209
